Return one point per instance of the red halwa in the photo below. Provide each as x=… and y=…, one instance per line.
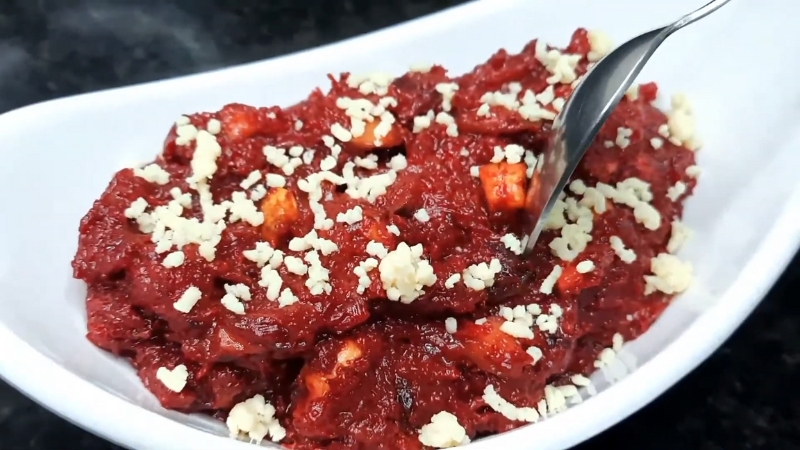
x=351, y=352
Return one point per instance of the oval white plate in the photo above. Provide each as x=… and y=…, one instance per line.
x=735, y=66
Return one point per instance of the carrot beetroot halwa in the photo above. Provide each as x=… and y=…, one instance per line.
x=346, y=273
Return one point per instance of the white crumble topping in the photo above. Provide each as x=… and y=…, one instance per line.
x=451, y=325
x=188, y=299
x=675, y=192
x=174, y=259
x=561, y=66
x=371, y=83
x=680, y=234
x=448, y=91
x=275, y=180
x=362, y=271
x=351, y=216
x=681, y=123
x=450, y=283
x=421, y=67
x=633, y=92
x=235, y=295
x=175, y=379
x=377, y=249
x=295, y=265
x=254, y=419
x=509, y=411
x=422, y=215
x=670, y=275
x=512, y=243
x=423, y=122
x=251, y=179
x=623, y=137
x=258, y=193
x=549, y=283
x=443, y=431
x=626, y=255
x=152, y=173
x=656, y=143
x=585, y=266
x=480, y=276
x=535, y=353
x=404, y=273
x=242, y=208
x=600, y=45
x=263, y=254
x=693, y=171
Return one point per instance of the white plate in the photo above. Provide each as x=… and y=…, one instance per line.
x=737, y=66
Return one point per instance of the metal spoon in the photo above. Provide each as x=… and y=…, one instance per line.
x=587, y=109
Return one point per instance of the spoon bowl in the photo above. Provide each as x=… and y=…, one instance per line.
x=586, y=111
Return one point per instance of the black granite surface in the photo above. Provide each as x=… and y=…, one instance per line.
x=744, y=397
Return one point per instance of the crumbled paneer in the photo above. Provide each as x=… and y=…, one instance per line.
x=214, y=126
x=521, y=319
x=153, y=173
x=550, y=281
x=174, y=259
x=264, y=254
x=561, y=66
x=585, y=266
x=450, y=283
x=404, y=273
x=443, y=431
x=633, y=92
x=693, y=171
x=350, y=216
x=512, y=243
x=670, y=275
x=451, y=325
x=623, y=137
x=422, y=215
x=420, y=67
x=251, y=179
x=235, y=294
x=680, y=234
x=509, y=411
x=175, y=379
x=188, y=299
x=480, y=276
x=254, y=419
x=535, y=353
x=626, y=255
x=600, y=45
x=656, y=143
x=680, y=121
x=675, y=192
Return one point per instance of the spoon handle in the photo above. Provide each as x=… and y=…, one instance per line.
x=698, y=14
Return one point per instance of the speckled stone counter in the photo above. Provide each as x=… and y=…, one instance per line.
x=743, y=397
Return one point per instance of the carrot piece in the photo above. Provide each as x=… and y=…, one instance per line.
x=280, y=213
x=504, y=185
x=376, y=135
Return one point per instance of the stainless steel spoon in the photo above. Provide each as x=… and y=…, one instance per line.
x=587, y=109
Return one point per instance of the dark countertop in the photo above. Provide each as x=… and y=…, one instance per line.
x=741, y=398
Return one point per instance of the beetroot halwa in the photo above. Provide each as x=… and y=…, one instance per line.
x=346, y=273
